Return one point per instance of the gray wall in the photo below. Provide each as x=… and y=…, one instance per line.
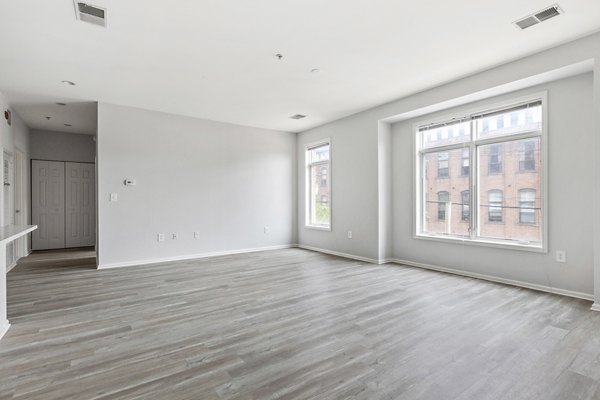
x=15, y=136
x=570, y=198
x=62, y=146
x=225, y=181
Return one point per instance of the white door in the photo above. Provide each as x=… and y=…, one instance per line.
x=80, y=205
x=48, y=204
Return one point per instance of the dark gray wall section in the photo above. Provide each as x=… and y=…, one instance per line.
x=62, y=146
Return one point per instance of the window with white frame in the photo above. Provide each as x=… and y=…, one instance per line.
x=318, y=173
x=489, y=198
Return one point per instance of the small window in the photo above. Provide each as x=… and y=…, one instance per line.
x=465, y=198
x=443, y=171
x=527, y=206
x=495, y=206
x=495, y=159
x=323, y=182
x=527, y=155
x=465, y=162
x=318, y=206
x=443, y=198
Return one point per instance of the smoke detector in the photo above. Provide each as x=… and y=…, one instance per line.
x=540, y=16
x=89, y=13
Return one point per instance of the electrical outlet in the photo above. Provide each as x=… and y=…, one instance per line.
x=196, y=235
x=160, y=237
x=349, y=234
x=561, y=256
x=266, y=230
x=174, y=236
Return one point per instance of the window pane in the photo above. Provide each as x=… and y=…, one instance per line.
x=515, y=120
x=509, y=203
x=320, y=208
x=444, y=208
x=442, y=135
x=319, y=153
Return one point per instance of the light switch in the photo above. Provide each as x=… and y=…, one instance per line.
x=114, y=197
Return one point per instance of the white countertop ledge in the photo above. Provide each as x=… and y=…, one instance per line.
x=11, y=232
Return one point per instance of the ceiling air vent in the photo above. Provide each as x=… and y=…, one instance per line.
x=89, y=13
x=298, y=116
x=539, y=16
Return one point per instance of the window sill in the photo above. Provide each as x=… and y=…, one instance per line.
x=318, y=228
x=500, y=244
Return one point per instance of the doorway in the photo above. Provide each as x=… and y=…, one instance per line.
x=63, y=204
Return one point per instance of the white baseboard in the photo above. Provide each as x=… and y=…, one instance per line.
x=491, y=278
x=192, y=256
x=4, y=328
x=595, y=307
x=337, y=253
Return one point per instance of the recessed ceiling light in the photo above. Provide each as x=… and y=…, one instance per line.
x=70, y=83
x=68, y=125
x=279, y=56
x=315, y=71
x=298, y=116
x=61, y=104
x=48, y=118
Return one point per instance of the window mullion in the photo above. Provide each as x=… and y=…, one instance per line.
x=473, y=187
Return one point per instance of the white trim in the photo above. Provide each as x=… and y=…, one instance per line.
x=191, y=256
x=595, y=307
x=339, y=254
x=4, y=328
x=512, y=282
x=10, y=267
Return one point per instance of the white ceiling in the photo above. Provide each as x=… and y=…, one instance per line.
x=34, y=110
x=215, y=59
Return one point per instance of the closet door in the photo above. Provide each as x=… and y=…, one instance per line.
x=80, y=205
x=48, y=204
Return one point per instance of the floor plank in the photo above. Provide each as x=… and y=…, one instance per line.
x=287, y=324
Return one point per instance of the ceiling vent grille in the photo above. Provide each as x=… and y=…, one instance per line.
x=539, y=16
x=298, y=116
x=89, y=13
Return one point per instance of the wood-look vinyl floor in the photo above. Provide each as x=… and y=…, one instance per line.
x=289, y=324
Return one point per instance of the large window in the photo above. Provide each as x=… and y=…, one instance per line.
x=489, y=198
x=318, y=204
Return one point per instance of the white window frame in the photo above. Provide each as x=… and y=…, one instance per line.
x=307, y=202
x=475, y=162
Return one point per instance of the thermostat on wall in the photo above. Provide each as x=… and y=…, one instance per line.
x=129, y=182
